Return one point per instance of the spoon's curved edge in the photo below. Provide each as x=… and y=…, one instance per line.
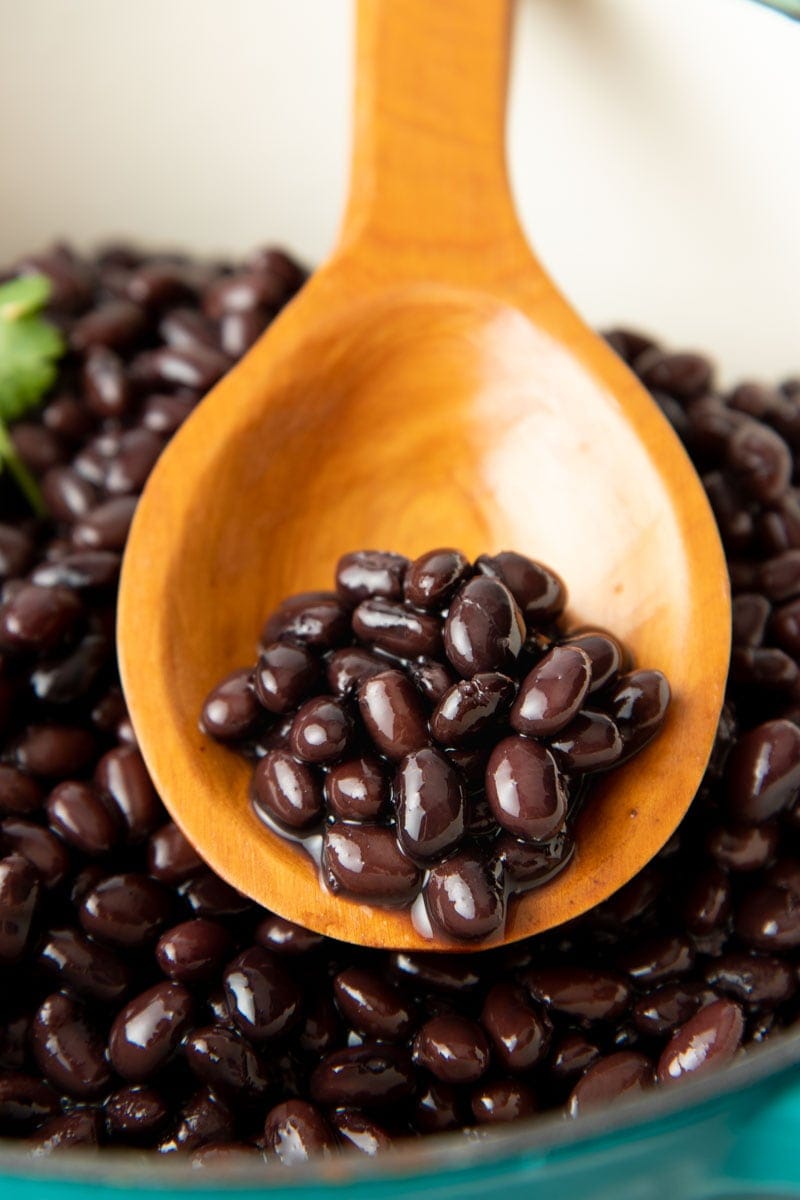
x=155, y=625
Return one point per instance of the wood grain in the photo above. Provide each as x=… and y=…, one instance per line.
x=429, y=386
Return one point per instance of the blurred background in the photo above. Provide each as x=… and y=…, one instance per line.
x=654, y=147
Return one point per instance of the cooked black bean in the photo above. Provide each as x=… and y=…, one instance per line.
x=469, y=706
x=20, y=795
x=231, y=710
x=193, y=951
x=170, y=857
x=581, y=992
x=84, y=817
x=45, y=852
x=295, y=1131
x=591, y=742
x=263, y=998
x=432, y=579
x=553, y=692
x=392, y=712
x=357, y=790
x=82, y=570
x=538, y=591
x=19, y=893
x=53, y=751
x=707, y=902
x=370, y=573
x=528, y=863
x=432, y=678
x=348, y=668
x=464, y=897
x=768, y=918
x=16, y=552
x=637, y=705
x=321, y=730
x=610, y=1078
x=372, y=1004
x=743, y=848
x=70, y=1053
x=606, y=655
x=502, y=1100
x=106, y=385
x=312, y=618
x=358, y=1132
x=453, y=1048
x=106, y=526
x=88, y=968
x=366, y=861
x=658, y=957
x=147, y=1031
x=210, y=896
x=391, y=626
x=525, y=790
x=484, y=629
x=38, y=619
x=520, y=1032
x=661, y=1011
x=204, y=1118
x=287, y=791
x=66, y=495
x=429, y=802
x=439, y=1107
x=123, y=774
x=80, y=1128
x=752, y=978
x=126, y=910
x=226, y=1062
x=372, y=1075
x=284, y=937
x=135, y=1113
x=763, y=772
x=707, y=1040
x=284, y=676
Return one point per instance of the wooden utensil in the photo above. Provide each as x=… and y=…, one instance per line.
x=429, y=386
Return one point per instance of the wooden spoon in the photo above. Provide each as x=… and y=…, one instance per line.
x=429, y=386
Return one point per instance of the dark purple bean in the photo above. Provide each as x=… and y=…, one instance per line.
x=750, y=616
x=391, y=709
x=69, y=678
x=38, y=448
x=38, y=619
x=123, y=774
x=263, y=998
x=433, y=678
x=205, y=1118
x=785, y=627
x=520, y=1032
x=238, y=331
x=552, y=693
x=66, y=495
x=779, y=577
x=390, y=626
x=751, y=978
x=106, y=526
x=284, y=937
x=287, y=791
x=231, y=710
x=156, y=284
x=761, y=461
x=657, y=958
x=84, y=817
x=528, y=863
x=637, y=705
x=226, y=1062
x=581, y=992
x=197, y=367
x=442, y=972
x=366, y=861
x=146, y=1033
x=135, y=1113
x=605, y=655
x=616, y=1076
x=137, y=454
x=348, y=668
x=571, y=1054
x=764, y=668
x=484, y=629
x=105, y=382
x=502, y=1100
x=39, y=846
x=785, y=874
x=115, y=324
x=19, y=894
x=357, y=1132
x=86, y=967
x=19, y=794
x=707, y=903
x=171, y=858
x=683, y=376
x=313, y=618
x=763, y=772
x=372, y=1005
x=69, y=1051
x=357, y=790
x=707, y=1041
x=368, y=573
x=439, y=1107
x=295, y=1132
x=80, y=1128
x=24, y=1101
x=321, y=730
x=55, y=751
x=591, y=742
x=538, y=591
x=525, y=790
x=185, y=328
x=372, y=1075
x=243, y=292
x=429, y=802
x=469, y=706
x=743, y=848
x=210, y=896
x=433, y=578
x=84, y=570
x=321, y=1031
x=464, y=897
x=193, y=951
x=453, y=1048
x=660, y=1012
x=165, y=414
x=285, y=675
x=16, y=552
x=126, y=910
x=768, y=918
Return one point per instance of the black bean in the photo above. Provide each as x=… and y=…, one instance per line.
x=122, y=773
x=707, y=1040
x=658, y=957
x=106, y=526
x=88, y=968
x=55, y=751
x=84, y=817
x=85, y=570
x=80, y=1128
x=185, y=328
x=170, y=857
x=432, y=678
x=37, y=446
x=68, y=679
x=484, y=629
x=70, y=1053
x=591, y=742
x=606, y=655
x=105, y=382
x=66, y=495
x=396, y=629
x=321, y=730
x=19, y=894
x=707, y=902
x=439, y=1107
x=610, y=1078
x=528, y=863
x=116, y=324
x=366, y=861
x=763, y=772
x=358, y=1132
x=287, y=791
x=660, y=1012
x=205, y=1118
x=539, y=592
x=295, y=1132
x=429, y=802
x=16, y=551
x=210, y=896
x=137, y=454
x=768, y=918
x=147, y=1031
x=39, y=846
x=637, y=705
x=464, y=897
x=751, y=613
x=284, y=937
x=348, y=668
x=126, y=910
x=370, y=573
x=263, y=998
x=231, y=710
x=453, y=1048
x=372, y=1004
x=752, y=978
x=391, y=709
x=239, y=330
x=284, y=676
x=38, y=619
x=226, y=1062
x=312, y=618
x=165, y=414
x=761, y=461
x=520, y=1032
x=193, y=951
x=502, y=1100
x=553, y=692
x=469, y=706
x=372, y=1075
x=357, y=790
x=135, y=1113
x=525, y=790
x=779, y=577
x=20, y=795
x=433, y=578
x=581, y=992
x=743, y=848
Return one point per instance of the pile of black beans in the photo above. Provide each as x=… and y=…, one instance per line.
x=426, y=731
x=144, y=1003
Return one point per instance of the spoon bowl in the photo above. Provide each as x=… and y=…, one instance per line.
x=402, y=401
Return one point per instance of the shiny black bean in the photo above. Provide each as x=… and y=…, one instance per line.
x=464, y=897
x=785, y=627
x=751, y=613
x=69, y=678
x=106, y=384
x=684, y=375
x=571, y=1054
x=743, y=848
x=372, y=1075
x=372, y=1004
x=317, y=619
x=366, y=861
x=205, y=1118
x=501, y=1101
x=185, y=328
x=20, y=795
x=84, y=817
x=146, y=1033
x=520, y=1032
x=357, y=790
x=605, y=653
x=553, y=692
x=611, y=1078
x=126, y=910
x=45, y=852
x=19, y=894
x=69, y=1051
x=453, y=1048
x=470, y=706
x=123, y=774
x=165, y=414
x=707, y=902
x=238, y=331
x=539, y=592
x=81, y=1128
x=660, y=1012
x=24, y=1101
x=193, y=951
x=652, y=959
x=295, y=1132
x=637, y=705
x=528, y=863
x=442, y=972
x=432, y=678
x=38, y=619
x=763, y=772
x=285, y=675
x=366, y=573
x=392, y=712
x=761, y=461
x=135, y=458
x=82, y=571
x=390, y=626
x=135, y=1113
x=779, y=577
x=287, y=791
x=434, y=577
x=115, y=324
x=707, y=1041
x=284, y=937
x=38, y=448
x=55, y=751
x=525, y=790
x=263, y=998
x=156, y=284
x=210, y=896
x=484, y=629
x=226, y=1062
x=197, y=367
x=439, y=1107
x=321, y=730
x=768, y=918
x=231, y=710
x=752, y=978
x=429, y=803
x=581, y=992
x=348, y=668
x=170, y=857
x=66, y=495
x=358, y=1132
x=106, y=526
x=85, y=966
x=16, y=552
x=590, y=742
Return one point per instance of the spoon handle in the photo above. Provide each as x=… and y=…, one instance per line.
x=429, y=189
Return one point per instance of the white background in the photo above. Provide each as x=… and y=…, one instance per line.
x=655, y=146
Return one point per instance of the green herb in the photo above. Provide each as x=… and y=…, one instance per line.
x=29, y=350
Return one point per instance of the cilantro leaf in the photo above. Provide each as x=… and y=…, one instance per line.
x=29, y=350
